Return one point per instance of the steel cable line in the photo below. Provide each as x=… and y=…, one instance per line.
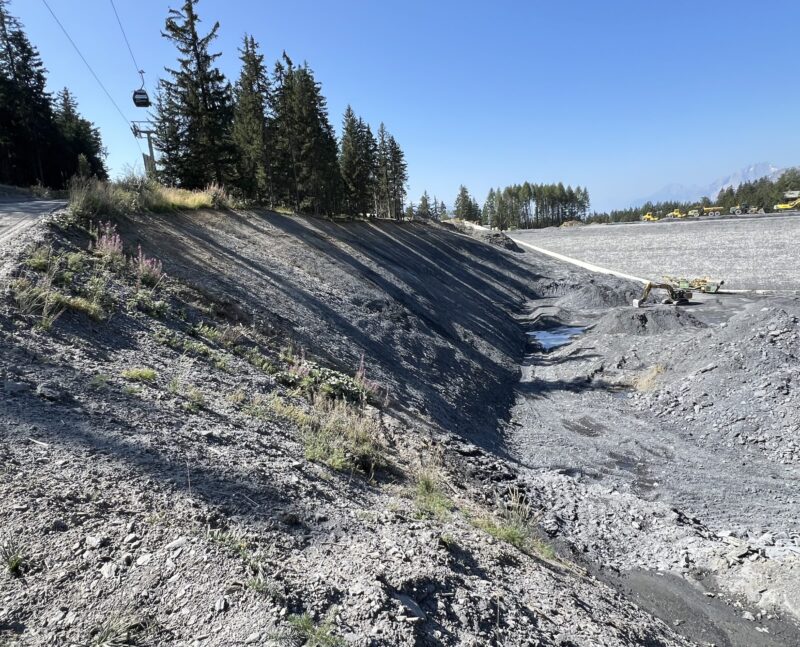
x=127, y=42
x=89, y=67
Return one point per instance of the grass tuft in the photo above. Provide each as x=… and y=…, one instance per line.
x=13, y=558
x=515, y=526
x=147, y=375
x=429, y=498
x=313, y=635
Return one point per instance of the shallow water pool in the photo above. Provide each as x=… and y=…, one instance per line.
x=552, y=338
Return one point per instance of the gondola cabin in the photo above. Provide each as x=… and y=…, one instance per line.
x=140, y=98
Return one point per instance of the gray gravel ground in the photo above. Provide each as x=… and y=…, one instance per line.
x=184, y=504
x=749, y=253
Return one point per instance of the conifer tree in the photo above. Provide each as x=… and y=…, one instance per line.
x=398, y=176
x=305, y=145
x=357, y=163
x=194, y=107
x=251, y=125
x=80, y=140
x=382, y=174
x=489, y=209
x=463, y=205
x=26, y=133
x=39, y=142
x=424, y=209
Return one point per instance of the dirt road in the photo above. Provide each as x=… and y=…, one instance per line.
x=18, y=215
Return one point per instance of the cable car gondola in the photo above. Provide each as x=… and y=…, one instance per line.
x=140, y=98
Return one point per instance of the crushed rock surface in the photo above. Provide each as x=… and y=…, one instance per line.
x=137, y=510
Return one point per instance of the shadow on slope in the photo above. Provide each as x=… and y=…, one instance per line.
x=429, y=309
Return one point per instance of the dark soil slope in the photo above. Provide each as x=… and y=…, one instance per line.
x=426, y=306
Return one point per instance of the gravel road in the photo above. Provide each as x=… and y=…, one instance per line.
x=18, y=215
x=749, y=254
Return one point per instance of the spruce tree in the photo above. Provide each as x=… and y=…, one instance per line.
x=304, y=142
x=463, y=205
x=424, y=209
x=368, y=148
x=250, y=131
x=39, y=142
x=382, y=174
x=24, y=137
x=194, y=107
x=79, y=140
x=489, y=209
x=398, y=177
x=350, y=163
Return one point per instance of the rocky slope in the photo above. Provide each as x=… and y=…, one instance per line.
x=204, y=458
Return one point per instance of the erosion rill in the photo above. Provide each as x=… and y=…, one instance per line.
x=250, y=428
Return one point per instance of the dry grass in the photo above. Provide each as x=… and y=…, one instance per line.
x=335, y=432
x=646, y=381
x=429, y=498
x=147, y=375
x=92, y=198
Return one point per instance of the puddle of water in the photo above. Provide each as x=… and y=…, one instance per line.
x=552, y=338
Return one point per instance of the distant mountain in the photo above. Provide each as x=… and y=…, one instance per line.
x=691, y=193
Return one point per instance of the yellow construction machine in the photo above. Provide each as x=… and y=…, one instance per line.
x=703, y=284
x=739, y=209
x=676, y=213
x=649, y=217
x=705, y=211
x=794, y=205
x=676, y=296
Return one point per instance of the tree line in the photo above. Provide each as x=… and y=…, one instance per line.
x=268, y=136
x=43, y=139
x=762, y=193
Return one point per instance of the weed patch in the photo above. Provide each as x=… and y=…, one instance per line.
x=13, y=558
x=312, y=634
x=430, y=500
x=147, y=375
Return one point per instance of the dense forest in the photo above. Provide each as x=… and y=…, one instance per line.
x=268, y=137
x=43, y=139
x=764, y=193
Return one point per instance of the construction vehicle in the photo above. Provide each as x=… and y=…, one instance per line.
x=675, y=213
x=739, y=209
x=700, y=284
x=705, y=211
x=794, y=205
x=677, y=296
x=649, y=217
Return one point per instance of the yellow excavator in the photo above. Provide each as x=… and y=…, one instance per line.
x=676, y=296
x=676, y=213
x=649, y=217
x=794, y=205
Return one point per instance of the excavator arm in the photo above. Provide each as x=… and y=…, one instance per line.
x=677, y=296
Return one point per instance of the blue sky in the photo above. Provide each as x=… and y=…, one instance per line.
x=621, y=96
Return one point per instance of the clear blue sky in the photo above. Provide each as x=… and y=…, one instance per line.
x=621, y=96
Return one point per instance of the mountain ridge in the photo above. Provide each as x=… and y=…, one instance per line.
x=688, y=193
